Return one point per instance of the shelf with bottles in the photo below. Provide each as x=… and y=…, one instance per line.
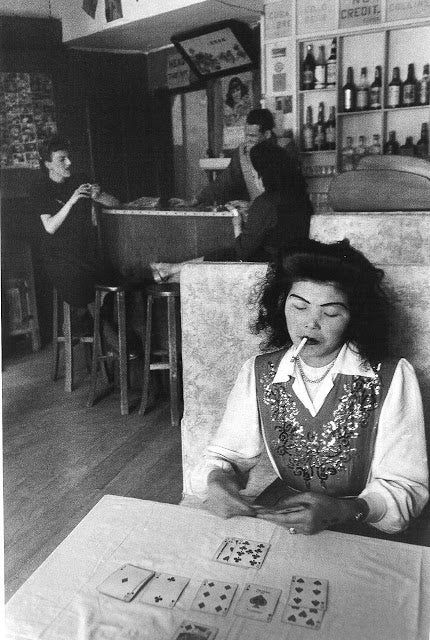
x=324, y=90
x=318, y=68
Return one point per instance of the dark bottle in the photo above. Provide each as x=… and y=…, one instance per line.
x=308, y=131
x=407, y=149
x=308, y=78
x=349, y=91
x=363, y=91
x=332, y=65
x=330, y=130
x=422, y=147
x=391, y=147
x=319, y=137
x=424, y=86
x=375, y=97
x=409, y=93
x=394, y=90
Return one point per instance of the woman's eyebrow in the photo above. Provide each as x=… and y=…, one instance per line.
x=326, y=304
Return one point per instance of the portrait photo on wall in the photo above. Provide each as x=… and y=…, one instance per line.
x=238, y=100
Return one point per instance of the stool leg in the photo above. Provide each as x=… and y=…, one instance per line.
x=146, y=356
x=68, y=350
x=173, y=362
x=123, y=364
x=96, y=351
x=55, y=343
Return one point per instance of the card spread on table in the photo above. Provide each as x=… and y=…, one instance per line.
x=193, y=631
x=258, y=602
x=125, y=582
x=214, y=596
x=242, y=552
x=163, y=590
x=308, y=617
x=308, y=592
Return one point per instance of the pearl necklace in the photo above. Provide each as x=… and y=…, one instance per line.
x=314, y=380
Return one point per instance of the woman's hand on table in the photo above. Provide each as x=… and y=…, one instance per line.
x=309, y=512
x=223, y=497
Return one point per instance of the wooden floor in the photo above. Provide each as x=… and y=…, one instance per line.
x=60, y=458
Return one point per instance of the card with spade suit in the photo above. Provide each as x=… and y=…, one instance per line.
x=308, y=592
x=258, y=602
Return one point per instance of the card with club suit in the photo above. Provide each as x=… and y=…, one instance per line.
x=163, y=590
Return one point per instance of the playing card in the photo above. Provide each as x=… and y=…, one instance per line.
x=242, y=552
x=258, y=602
x=308, y=592
x=125, y=582
x=163, y=590
x=308, y=617
x=214, y=596
x=193, y=631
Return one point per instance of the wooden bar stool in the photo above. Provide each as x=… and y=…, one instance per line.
x=67, y=339
x=99, y=357
x=170, y=293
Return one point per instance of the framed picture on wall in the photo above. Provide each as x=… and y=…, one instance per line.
x=238, y=100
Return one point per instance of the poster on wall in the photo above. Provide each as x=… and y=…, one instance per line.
x=238, y=100
x=407, y=9
x=113, y=10
x=317, y=17
x=177, y=71
x=280, y=73
x=278, y=20
x=27, y=116
x=356, y=13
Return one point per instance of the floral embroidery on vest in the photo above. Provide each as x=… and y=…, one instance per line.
x=311, y=454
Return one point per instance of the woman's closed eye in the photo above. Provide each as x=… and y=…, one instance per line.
x=333, y=314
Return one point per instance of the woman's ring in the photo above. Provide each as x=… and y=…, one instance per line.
x=292, y=530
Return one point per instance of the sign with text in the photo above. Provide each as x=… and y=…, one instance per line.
x=278, y=19
x=406, y=9
x=177, y=71
x=356, y=13
x=316, y=16
x=280, y=71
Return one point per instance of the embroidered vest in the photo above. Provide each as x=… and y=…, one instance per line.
x=330, y=453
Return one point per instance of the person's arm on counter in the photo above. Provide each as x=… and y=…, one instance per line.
x=228, y=185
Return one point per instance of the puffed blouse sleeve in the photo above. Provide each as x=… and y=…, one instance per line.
x=397, y=487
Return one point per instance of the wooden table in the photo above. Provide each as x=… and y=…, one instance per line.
x=132, y=238
x=377, y=589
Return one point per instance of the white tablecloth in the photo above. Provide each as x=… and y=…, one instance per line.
x=378, y=590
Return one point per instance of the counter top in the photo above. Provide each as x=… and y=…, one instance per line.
x=175, y=213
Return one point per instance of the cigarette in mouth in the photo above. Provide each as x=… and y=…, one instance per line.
x=298, y=349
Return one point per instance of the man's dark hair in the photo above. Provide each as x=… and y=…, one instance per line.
x=48, y=146
x=350, y=271
x=262, y=117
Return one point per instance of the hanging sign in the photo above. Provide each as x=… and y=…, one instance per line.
x=177, y=71
x=278, y=20
x=314, y=16
x=406, y=9
x=356, y=13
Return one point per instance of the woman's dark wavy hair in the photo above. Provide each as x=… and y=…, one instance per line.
x=235, y=83
x=349, y=270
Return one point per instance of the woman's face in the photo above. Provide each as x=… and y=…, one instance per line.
x=320, y=312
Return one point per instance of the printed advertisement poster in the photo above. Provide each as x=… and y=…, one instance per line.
x=216, y=51
x=238, y=100
x=407, y=9
x=356, y=13
x=314, y=16
x=27, y=116
x=278, y=20
x=279, y=68
x=177, y=72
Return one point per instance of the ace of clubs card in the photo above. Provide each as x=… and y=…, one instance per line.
x=163, y=590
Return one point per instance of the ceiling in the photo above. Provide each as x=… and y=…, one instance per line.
x=150, y=33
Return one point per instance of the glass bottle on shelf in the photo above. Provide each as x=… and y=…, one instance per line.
x=375, y=94
x=409, y=93
x=308, y=131
x=308, y=78
x=394, y=90
x=422, y=146
x=362, y=103
x=319, y=137
x=375, y=148
x=348, y=153
x=320, y=69
x=361, y=150
x=391, y=147
x=330, y=129
x=332, y=65
x=349, y=91
x=407, y=149
x=424, y=86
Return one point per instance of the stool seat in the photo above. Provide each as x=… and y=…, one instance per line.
x=170, y=291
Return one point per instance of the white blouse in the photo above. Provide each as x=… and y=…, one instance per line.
x=397, y=485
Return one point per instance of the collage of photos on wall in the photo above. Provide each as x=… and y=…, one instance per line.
x=27, y=115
